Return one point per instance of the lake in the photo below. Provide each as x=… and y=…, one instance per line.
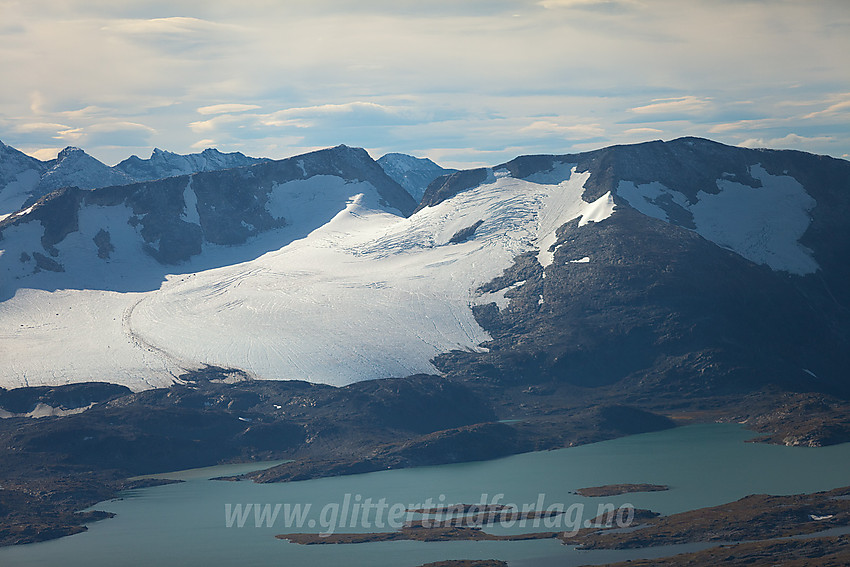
x=187, y=523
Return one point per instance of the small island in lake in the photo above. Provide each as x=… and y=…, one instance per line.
x=617, y=489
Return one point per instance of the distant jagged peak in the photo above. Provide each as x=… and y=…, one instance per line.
x=407, y=161
x=412, y=173
x=163, y=163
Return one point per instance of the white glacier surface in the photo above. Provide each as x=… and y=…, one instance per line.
x=369, y=294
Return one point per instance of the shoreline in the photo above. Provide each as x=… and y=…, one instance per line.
x=521, y=420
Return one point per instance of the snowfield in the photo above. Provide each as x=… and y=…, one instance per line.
x=763, y=224
x=367, y=294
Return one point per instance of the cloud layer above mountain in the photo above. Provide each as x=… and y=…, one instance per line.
x=465, y=83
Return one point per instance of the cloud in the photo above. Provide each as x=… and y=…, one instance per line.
x=163, y=26
x=44, y=154
x=178, y=38
x=114, y=133
x=570, y=132
x=70, y=135
x=681, y=105
x=643, y=131
x=12, y=29
x=204, y=144
x=216, y=123
x=406, y=75
x=831, y=110
x=226, y=108
x=336, y=109
x=37, y=102
x=37, y=127
x=744, y=125
x=594, y=5
x=349, y=114
x=87, y=112
x=792, y=141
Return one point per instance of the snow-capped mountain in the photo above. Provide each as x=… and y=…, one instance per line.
x=164, y=164
x=659, y=266
x=19, y=176
x=24, y=179
x=412, y=173
x=93, y=257
x=720, y=269
x=74, y=167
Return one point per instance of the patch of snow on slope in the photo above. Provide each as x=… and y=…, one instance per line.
x=498, y=297
x=14, y=243
x=15, y=194
x=563, y=203
x=644, y=198
x=190, y=199
x=762, y=224
x=81, y=252
x=306, y=201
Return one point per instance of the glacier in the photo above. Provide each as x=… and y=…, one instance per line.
x=368, y=294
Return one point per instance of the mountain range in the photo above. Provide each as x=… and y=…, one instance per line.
x=24, y=179
x=685, y=262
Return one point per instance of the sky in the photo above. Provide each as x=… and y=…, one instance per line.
x=466, y=83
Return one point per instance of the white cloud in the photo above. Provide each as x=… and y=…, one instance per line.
x=569, y=131
x=590, y=4
x=640, y=131
x=215, y=123
x=47, y=127
x=744, y=125
x=166, y=26
x=282, y=116
x=791, y=141
x=119, y=126
x=36, y=103
x=71, y=135
x=90, y=111
x=686, y=104
x=44, y=154
x=832, y=110
x=203, y=144
x=405, y=75
x=226, y=108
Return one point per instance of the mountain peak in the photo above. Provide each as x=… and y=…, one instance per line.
x=412, y=173
x=70, y=151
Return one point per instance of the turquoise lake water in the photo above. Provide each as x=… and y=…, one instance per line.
x=186, y=523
